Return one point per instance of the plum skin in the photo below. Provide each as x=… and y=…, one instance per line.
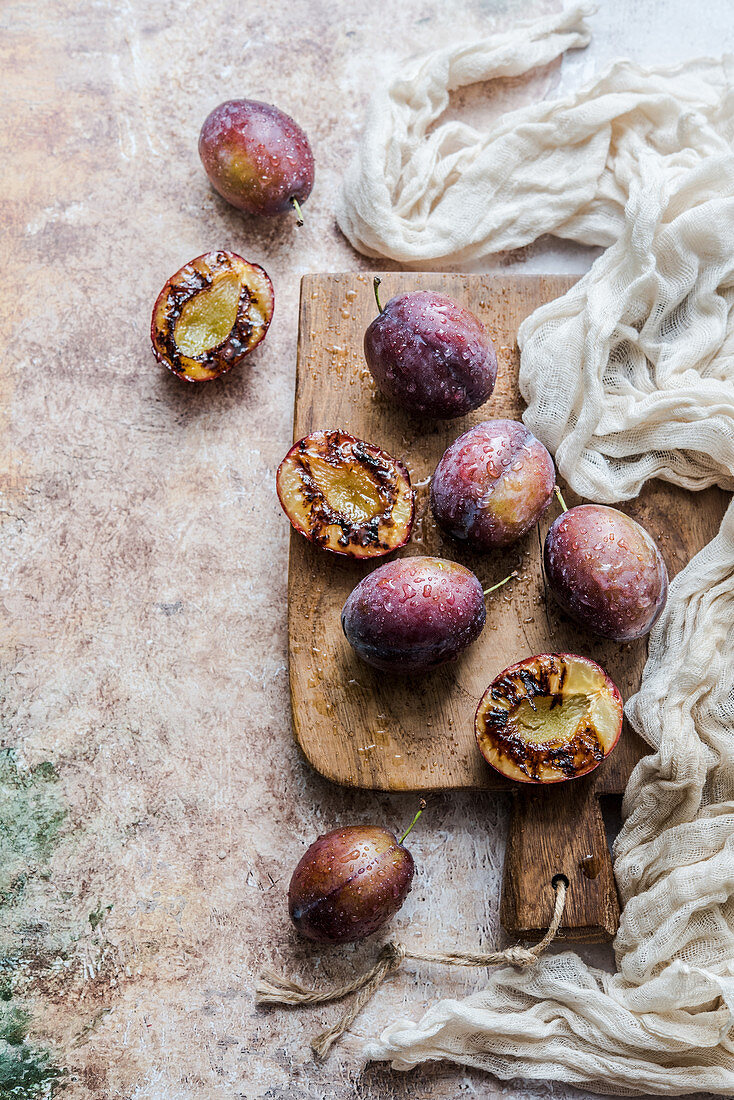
x=431, y=355
x=349, y=883
x=605, y=570
x=492, y=484
x=256, y=156
x=414, y=614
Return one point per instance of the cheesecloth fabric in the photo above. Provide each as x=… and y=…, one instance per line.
x=629, y=376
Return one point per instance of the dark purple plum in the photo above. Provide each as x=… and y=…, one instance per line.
x=256, y=157
x=605, y=571
x=431, y=355
x=493, y=484
x=349, y=883
x=414, y=614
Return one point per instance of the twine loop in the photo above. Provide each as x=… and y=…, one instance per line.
x=274, y=989
x=520, y=956
x=395, y=954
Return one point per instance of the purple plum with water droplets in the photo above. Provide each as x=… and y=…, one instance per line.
x=256, y=157
x=492, y=484
x=349, y=883
x=431, y=355
x=605, y=570
x=414, y=614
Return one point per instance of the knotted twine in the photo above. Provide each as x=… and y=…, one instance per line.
x=274, y=989
x=627, y=377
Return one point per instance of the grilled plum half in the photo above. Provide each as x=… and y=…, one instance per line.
x=346, y=495
x=493, y=484
x=431, y=355
x=210, y=315
x=605, y=570
x=549, y=718
x=256, y=156
x=349, y=883
x=414, y=614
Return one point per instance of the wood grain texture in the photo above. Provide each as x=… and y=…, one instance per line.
x=559, y=830
x=362, y=728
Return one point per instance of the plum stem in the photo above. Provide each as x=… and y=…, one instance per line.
x=561, y=501
x=297, y=207
x=376, y=287
x=422, y=806
x=500, y=583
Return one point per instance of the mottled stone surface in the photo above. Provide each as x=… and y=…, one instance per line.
x=143, y=634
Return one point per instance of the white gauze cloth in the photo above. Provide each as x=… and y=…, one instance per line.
x=628, y=376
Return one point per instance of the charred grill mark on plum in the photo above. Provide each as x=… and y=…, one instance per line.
x=233, y=347
x=198, y=276
x=570, y=745
x=570, y=758
x=377, y=466
x=531, y=683
x=178, y=295
x=354, y=533
x=497, y=717
x=376, y=519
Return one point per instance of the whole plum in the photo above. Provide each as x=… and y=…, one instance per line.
x=605, y=570
x=493, y=484
x=256, y=157
x=431, y=355
x=349, y=883
x=414, y=614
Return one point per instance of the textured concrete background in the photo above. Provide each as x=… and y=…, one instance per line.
x=152, y=801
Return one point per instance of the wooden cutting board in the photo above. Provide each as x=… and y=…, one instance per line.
x=364, y=728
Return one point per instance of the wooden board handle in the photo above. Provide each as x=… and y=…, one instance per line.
x=559, y=830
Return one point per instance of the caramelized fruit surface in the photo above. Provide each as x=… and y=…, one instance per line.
x=549, y=718
x=346, y=495
x=210, y=315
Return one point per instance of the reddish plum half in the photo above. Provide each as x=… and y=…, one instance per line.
x=493, y=484
x=256, y=157
x=346, y=495
x=549, y=718
x=349, y=883
x=431, y=355
x=414, y=614
x=210, y=315
x=605, y=570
